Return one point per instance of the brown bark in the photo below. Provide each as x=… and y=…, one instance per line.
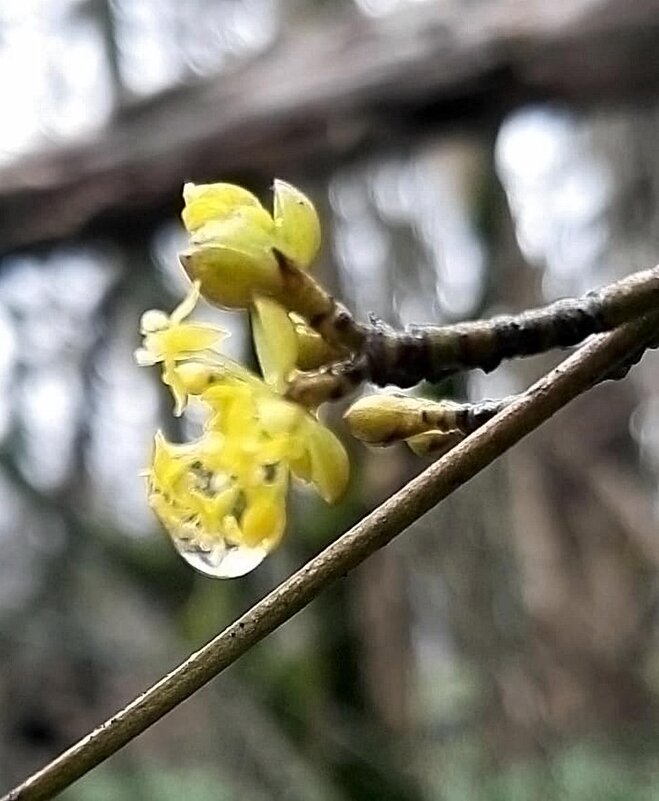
x=382, y=617
x=580, y=526
x=326, y=92
x=584, y=573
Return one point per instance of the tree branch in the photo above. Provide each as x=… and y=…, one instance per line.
x=382, y=355
x=574, y=376
x=324, y=92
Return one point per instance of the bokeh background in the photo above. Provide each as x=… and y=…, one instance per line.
x=467, y=157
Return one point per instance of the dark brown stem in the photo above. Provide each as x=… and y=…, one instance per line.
x=464, y=417
x=468, y=417
x=435, y=352
x=302, y=294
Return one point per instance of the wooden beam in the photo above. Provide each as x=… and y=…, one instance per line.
x=324, y=93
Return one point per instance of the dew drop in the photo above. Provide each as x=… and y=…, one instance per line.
x=218, y=559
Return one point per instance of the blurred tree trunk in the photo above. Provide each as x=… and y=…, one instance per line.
x=325, y=93
x=584, y=578
x=383, y=621
x=583, y=560
x=557, y=646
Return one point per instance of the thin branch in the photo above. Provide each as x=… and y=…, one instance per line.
x=446, y=421
x=436, y=352
x=574, y=376
x=425, y=352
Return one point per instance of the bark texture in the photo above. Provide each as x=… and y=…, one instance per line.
x=328, y=92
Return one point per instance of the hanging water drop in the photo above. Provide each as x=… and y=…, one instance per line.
x=219, y=559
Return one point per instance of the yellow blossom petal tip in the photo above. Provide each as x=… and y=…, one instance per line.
x=207, y=202
x=297, y=222
x=329, y=467
x=231, y=269
x=170, y=340
x=275, y=342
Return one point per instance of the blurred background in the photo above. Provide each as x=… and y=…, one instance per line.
x=467, y=157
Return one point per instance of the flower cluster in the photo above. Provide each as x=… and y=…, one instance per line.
x=222, y=497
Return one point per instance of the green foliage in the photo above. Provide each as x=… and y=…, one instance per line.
x=585, y=771
x=153, y=783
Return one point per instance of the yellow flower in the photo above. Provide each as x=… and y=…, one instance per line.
x=274, y=341
x=232, y=238
x=284, y=343
x=168, y=339
x=222, y=497
x=222, y=523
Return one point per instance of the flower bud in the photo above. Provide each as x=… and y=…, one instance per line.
x=233, y=238
x=312, y=350
x=382, y=419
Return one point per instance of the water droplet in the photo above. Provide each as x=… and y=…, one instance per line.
x=218, y=559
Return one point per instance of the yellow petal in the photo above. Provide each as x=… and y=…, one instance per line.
x=301, y=466
x=312, y=350
x=232, y=532
x=232, y=257
x=239, y=417
x=276, y=415
x=214, y=509
x=263, y=522
x=188, y=338
x=434, y=443
x=274, y=340
x=165, y=511
x=145, y=357
x=298, y=226
x=231, y=277
x=171, y=378
x=204, y=202
x=330, y=468
x=196, y=377
x=275, y=450
x=168, y=463
x=245, y=228
x=221, y=396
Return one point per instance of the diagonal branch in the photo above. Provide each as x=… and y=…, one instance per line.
x=574, y=376
x=388, y=419
x=432, y=353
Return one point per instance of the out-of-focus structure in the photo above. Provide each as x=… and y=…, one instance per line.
x=467, y=157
